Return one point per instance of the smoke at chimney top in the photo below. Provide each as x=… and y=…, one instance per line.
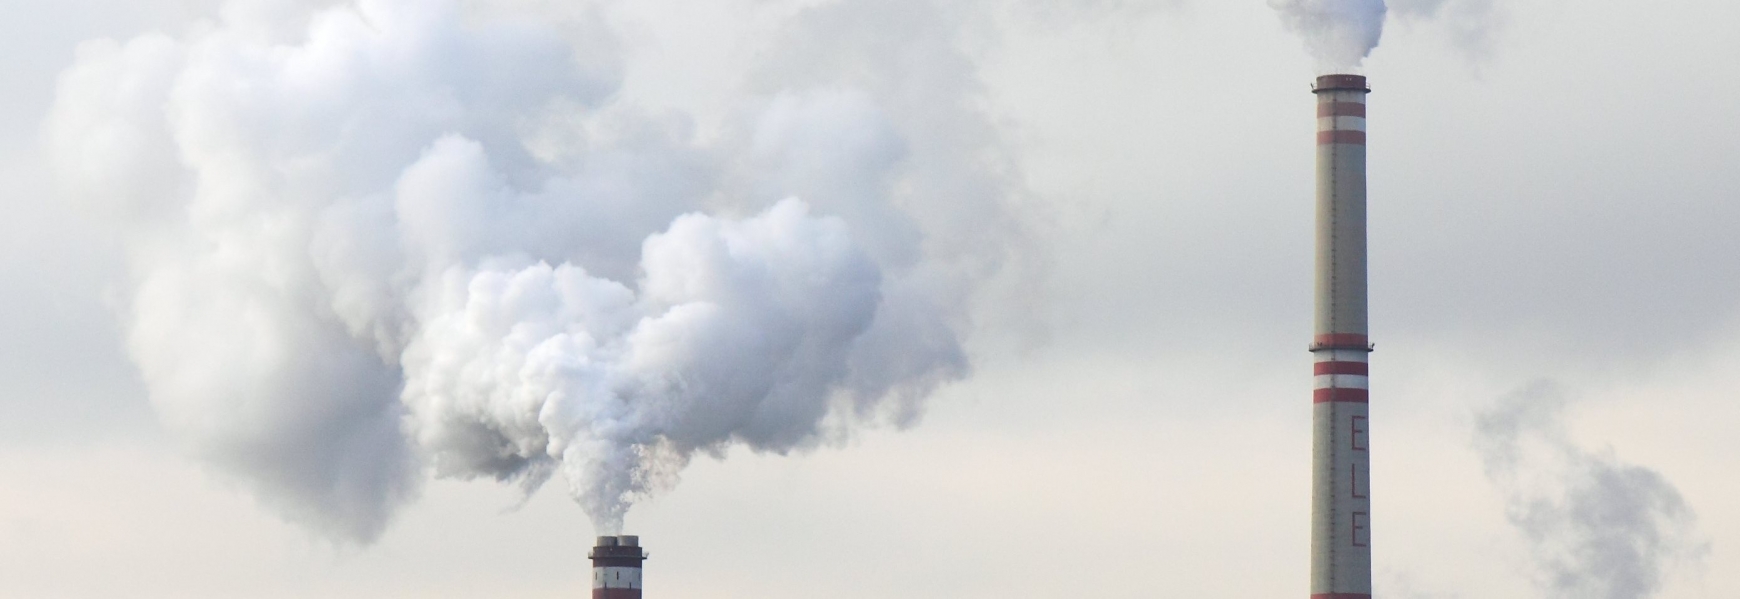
x=374, y=240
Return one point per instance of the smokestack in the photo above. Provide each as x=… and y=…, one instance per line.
x=616, y=567
x=1341, y=482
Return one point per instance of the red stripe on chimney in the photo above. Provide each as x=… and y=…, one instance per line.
x=1341, y=368
x=1355, y=138
x=1339, y=395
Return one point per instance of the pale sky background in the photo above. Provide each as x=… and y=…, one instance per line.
x=1555, y=196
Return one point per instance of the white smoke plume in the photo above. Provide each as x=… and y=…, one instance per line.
x=1339, y=34
x=1597, y=527
x=377, y=240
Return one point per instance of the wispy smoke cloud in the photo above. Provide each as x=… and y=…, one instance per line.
x=1472, y=25
x=1401, y=584
x=1597, y=527
x=1339, y=34
x=376, y=240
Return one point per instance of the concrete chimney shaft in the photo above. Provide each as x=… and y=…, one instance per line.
x=1341, y=462
x=616, y=567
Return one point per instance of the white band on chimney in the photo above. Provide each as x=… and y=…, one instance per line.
x=1341, y=123
x=613, y=577
x=1342, y=355
x=1342, y=381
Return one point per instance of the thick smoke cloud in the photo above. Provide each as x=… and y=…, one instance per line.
x=1597, y=527
x=377, y=240
x=1339, y=34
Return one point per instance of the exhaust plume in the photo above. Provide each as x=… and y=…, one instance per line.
x=384, y=239
x=1339, y=34
x=1597, y=527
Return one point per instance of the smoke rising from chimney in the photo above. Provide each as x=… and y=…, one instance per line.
x=1597, y=527
x=383, y=239
x=1339, y=34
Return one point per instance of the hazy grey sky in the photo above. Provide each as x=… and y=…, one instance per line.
x=1555, y=204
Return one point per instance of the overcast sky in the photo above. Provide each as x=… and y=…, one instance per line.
x=1555, y=292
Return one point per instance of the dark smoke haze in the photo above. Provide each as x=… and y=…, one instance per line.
x=1597, y=527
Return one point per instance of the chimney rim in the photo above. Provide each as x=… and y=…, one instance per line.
x=1340, y=82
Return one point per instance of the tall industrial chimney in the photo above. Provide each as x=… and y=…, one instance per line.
x=1341, y=458
x=616, y=568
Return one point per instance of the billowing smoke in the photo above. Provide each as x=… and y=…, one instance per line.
x=1597, y=527
x=1339, y=34
x=374, y=241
